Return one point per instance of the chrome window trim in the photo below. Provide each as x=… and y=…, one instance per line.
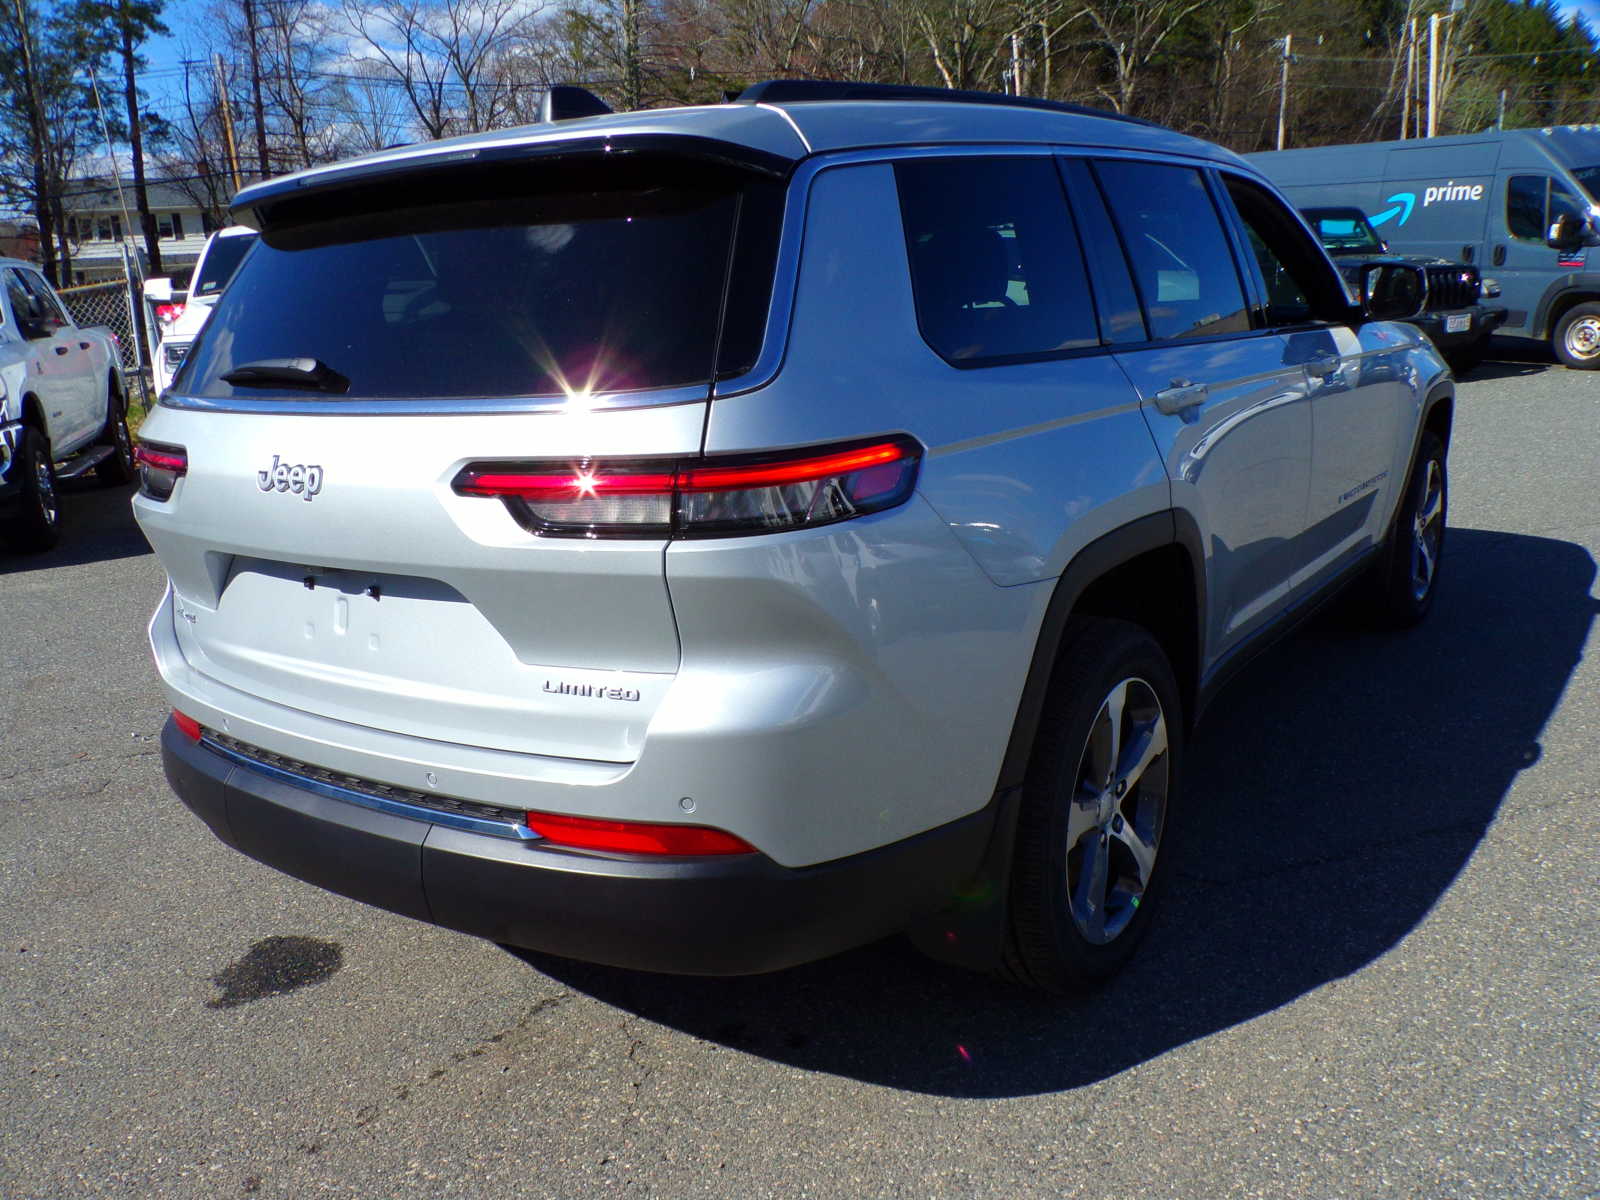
x=509, y=829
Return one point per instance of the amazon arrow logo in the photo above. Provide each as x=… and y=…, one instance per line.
x=1402, y=203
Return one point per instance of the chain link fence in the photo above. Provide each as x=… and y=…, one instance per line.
x=112, y=305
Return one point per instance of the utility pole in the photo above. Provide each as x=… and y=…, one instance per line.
x=1283, y=86
x=255, y=88
x=1500, y=120
x=1433, y=74
x=1016, y=65
x=1411, y=80
x=227, y=123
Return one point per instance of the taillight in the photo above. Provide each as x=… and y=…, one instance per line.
x=187, y=725
x=704, y=497
x=635, y=837
x=160, y=468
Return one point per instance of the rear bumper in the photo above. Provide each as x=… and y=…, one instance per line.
x=730, y=915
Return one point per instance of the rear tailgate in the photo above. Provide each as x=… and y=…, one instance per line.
x=379, y=338
x=387, y=600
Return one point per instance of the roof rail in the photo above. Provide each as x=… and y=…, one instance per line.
x=799, y=91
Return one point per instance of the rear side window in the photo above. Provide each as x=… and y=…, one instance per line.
x=1181, y=261
x=538, y=280
x=995, y=264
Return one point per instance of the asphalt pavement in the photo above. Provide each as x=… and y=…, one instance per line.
x=1378, y=974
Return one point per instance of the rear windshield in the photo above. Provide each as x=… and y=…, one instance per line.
x=222, y=259
x=527, y=282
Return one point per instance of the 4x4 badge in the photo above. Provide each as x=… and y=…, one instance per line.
x=301, y=479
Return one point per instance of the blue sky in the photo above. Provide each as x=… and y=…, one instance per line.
x=165, y=53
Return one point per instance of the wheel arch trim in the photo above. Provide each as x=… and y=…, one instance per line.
x=1562, y=294
x=1172, y=527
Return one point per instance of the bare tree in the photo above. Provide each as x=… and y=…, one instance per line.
x=444, y=54
x=1131, y=33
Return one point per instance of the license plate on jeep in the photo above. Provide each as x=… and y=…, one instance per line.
x=1458, y=323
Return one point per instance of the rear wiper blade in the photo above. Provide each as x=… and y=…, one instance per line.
x=312, y=374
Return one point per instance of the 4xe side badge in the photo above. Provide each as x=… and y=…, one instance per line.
x=301, y=479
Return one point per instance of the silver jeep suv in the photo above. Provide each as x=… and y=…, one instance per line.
x=704, y=540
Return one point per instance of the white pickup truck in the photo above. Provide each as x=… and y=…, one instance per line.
x=62, y=407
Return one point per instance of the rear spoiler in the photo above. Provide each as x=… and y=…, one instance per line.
x=386, y=183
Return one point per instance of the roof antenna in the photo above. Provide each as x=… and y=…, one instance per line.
x=563, y=102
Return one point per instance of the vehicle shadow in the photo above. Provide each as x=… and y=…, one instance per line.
x=1511, y=358
x=96, y=525
x=1335, y=791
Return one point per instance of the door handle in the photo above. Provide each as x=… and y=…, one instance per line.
x=61, y=349
x=1183, y=394
x=1499, y=256
x=83, y=345
x=1322, y=366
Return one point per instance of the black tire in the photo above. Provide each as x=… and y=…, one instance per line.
x=117, y=469
x=1576, y=337
x=36, y=523
x=1069, y=824
x=1403, y=584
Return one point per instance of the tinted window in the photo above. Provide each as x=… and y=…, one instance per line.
x=222, y=259
x=45, y=299
x=23, y=305
x=533, y=281
x=1294, y=272
x=995, y=264
x=1181, y=261
x=1121, y=320
x=1525, y=207
x=1563, y=204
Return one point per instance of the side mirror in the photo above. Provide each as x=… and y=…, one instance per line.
x=1565, y=232
x=158, y=290
x=1393, y=291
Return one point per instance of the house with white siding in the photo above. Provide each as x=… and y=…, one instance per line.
x=99, y=221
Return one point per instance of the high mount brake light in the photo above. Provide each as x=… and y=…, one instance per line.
x=706, y=497
x=635, y=837
x=160, y=468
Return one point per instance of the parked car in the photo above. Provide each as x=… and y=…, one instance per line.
x=1454, y=317
x=1520, y=202
x=219, y=259
x=829, y=520
x=62, y=408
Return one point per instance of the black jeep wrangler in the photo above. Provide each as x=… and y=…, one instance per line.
x=1455, y=318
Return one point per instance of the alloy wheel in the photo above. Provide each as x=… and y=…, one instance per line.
x=1427, y=531
x=1118, y=807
